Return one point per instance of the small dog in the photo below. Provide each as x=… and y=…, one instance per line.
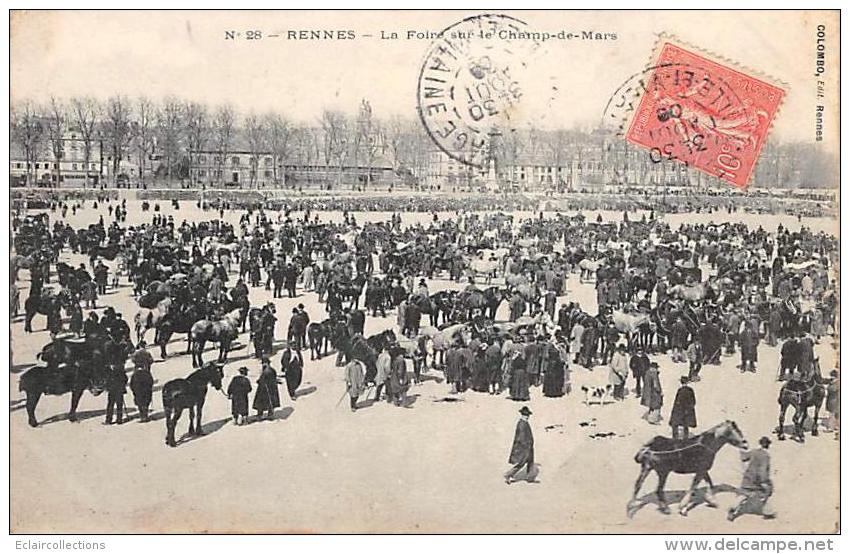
x=598, y=395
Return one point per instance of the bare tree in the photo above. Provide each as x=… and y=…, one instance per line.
x=280, y=137
x=170, y=126
x=367, y=139
x=144, y=133
x=397, y=141
x=27, y=130
x=57, y=124
x=85, y=113
x=117, y=130
x=255, y=132
x=223, y=124
x=335, y=129
x=197, y=129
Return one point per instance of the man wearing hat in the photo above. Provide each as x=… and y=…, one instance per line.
x=756, y=485
x=619, y=371
x=141, y=382
x=639, y=364
x=522, y=451
x=237, y=392
x=684, y=415
x=651, y=396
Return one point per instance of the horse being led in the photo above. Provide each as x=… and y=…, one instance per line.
x=802, y=395
x=189, y=393
x=689, y=456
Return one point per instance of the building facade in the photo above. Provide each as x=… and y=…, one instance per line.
x=243, y=169
x=70, y=170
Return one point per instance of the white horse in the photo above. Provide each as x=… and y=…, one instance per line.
x=589, y=267
x=150, y=319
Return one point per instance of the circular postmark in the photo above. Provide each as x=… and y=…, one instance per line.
x=681, y=113
x=472, y=85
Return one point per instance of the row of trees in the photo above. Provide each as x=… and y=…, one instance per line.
x=160, y=137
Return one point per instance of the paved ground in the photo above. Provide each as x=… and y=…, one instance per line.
x=431, y=466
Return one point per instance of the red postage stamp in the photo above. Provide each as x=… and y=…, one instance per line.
x=704, y=114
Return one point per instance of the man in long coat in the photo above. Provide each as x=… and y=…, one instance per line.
x=684, y=415
x=749, y=346
x=292, y=369
x=618, y=371
x=399, y=381
x=238, y=391
x=454, y=367
x=141, y=384
x=493, y=360
x=355, y=381
x=652, y=397
x=522, y=450
x=267, y=397
x=382, y=377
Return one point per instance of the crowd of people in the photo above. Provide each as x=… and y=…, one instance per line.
x=697, y=292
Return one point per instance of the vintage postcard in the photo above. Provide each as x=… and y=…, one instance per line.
x=424, y=272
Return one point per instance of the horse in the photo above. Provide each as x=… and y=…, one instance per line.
x=488, y=268
x=802, y=395
x=689, y=456
x=319, y=335
x=45, y=304
x=588, y=268
x=191, y=392
x=151, y=318
x=432, y=306
x=692, y=293
x=352, y=290
x=178, y=321
x=224, y=331
x=72, y=366
x=631, y=323
x=18, y=262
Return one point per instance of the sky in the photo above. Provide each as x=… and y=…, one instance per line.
x=186, y=54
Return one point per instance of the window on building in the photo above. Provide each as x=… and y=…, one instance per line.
x=234, y=160
x=268, y=173
x=268, y=162
x=217, y=159
x=202, y=159
x=18, y=165
x=74, y=167
x=36, y=166
x=202, y=173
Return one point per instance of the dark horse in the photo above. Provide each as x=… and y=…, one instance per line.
x=352, y=290
x=71, y=367
x=45, y=304
x=178, y=321
x=802, y=395
x=694, y=455
x=320, y=335
x=191, y=392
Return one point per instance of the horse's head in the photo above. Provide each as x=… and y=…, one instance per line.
x=215, y=374
x=731, y=433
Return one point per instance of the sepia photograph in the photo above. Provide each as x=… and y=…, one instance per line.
x=424, y=272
